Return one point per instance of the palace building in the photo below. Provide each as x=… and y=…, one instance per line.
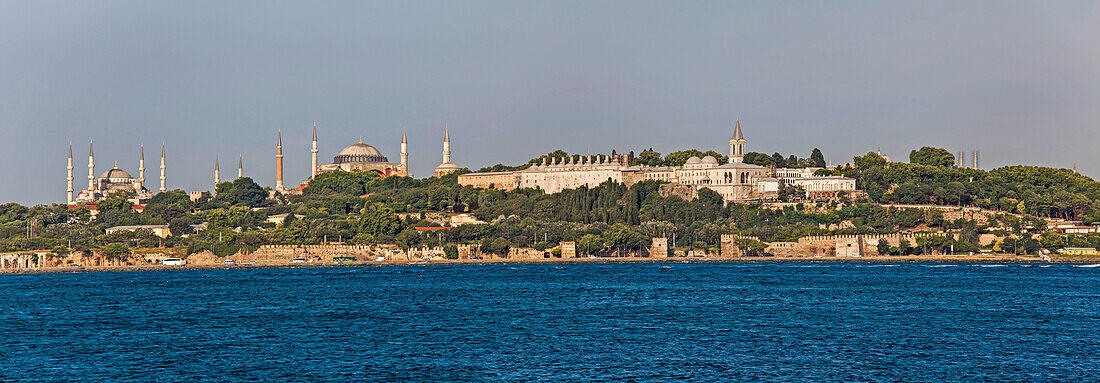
x=735, y=181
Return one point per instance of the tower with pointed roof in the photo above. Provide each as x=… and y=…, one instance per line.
x=404, y=149
x=737, y=144
x=447, y=167
x=141, y=169
x=240, y=166
x=279, y=163
x=91, y=168
x=69, y=179
x=313, y=154
x=163, y=186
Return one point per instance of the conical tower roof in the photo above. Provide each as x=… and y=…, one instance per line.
x=737, y=131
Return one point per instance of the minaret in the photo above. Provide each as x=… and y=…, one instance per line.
x=217, y=174
x=141, y=169
x=91, y=170
x=737, y=144
x=279, y=162
x=240, y=167
x=162, y=178
x=446, y=145
x=69, y=179
x=404, y=150
x=313, y=154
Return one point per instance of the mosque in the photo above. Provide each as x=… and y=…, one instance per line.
x=111, y=181
x=359, y=156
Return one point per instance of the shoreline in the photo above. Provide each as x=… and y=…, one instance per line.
x=558, y=261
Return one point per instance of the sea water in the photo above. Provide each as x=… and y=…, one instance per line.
x=554, y=322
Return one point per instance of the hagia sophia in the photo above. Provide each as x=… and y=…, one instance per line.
x=735, y=181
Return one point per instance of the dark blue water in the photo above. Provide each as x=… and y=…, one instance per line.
x=621, y=322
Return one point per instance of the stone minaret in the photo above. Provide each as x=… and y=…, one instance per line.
x=404, y=150
x=163, y=187
x=446, y=145
x=91, y=169
x=240, y=166
x=313, y=154
x=141, y=169
x=217, y=173
x=737, y=144
x=279, y=162
x=69, y=179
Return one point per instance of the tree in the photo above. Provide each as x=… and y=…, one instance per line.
x=780, y=162
x=353, y=183
x=869, y=160
x=450, y=251
x=760, y=159
x=817, y=159
x=623, y=237
x=903, y=247
x=1052, y=240
x=497, y=245
x=116, y=251
x=648, y=157
x=241, y=192
x=379, y=220
x=883, y=247
x=932, y=157
x=179, y=226
x=117, y=201
x=680, y=158
x=589, y=243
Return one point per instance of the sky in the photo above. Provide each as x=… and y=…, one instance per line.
x=1017, y=81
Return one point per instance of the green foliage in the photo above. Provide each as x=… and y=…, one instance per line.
x=240, y=192
x=932, y=157
x=116, y=251
x=117, y=202
x=760, y=159
x=451, y=251
x=496, y=245
x=589, y=243
x=623, y=237
x=378, y=220
x=648, y=157
x=180, y=226
x=869, y=161
x=354, y=183
x=817, y=159
x=681, y=157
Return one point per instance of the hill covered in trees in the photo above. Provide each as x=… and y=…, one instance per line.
x=363, y=208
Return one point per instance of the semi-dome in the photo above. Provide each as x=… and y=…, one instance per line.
x=710, y=160
x=116, y=173
x=693, y=160
x=359, y=153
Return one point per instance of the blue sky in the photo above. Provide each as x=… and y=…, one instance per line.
x=1019, y=81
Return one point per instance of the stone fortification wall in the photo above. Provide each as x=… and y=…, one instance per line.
x=840, y=245
x=277, y=254
x=728, y=245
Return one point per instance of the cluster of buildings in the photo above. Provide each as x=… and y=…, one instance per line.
x=736, y=181
x=355, y=157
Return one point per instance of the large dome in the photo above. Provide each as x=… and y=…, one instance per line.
x=360, y=153
x=116, y=173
